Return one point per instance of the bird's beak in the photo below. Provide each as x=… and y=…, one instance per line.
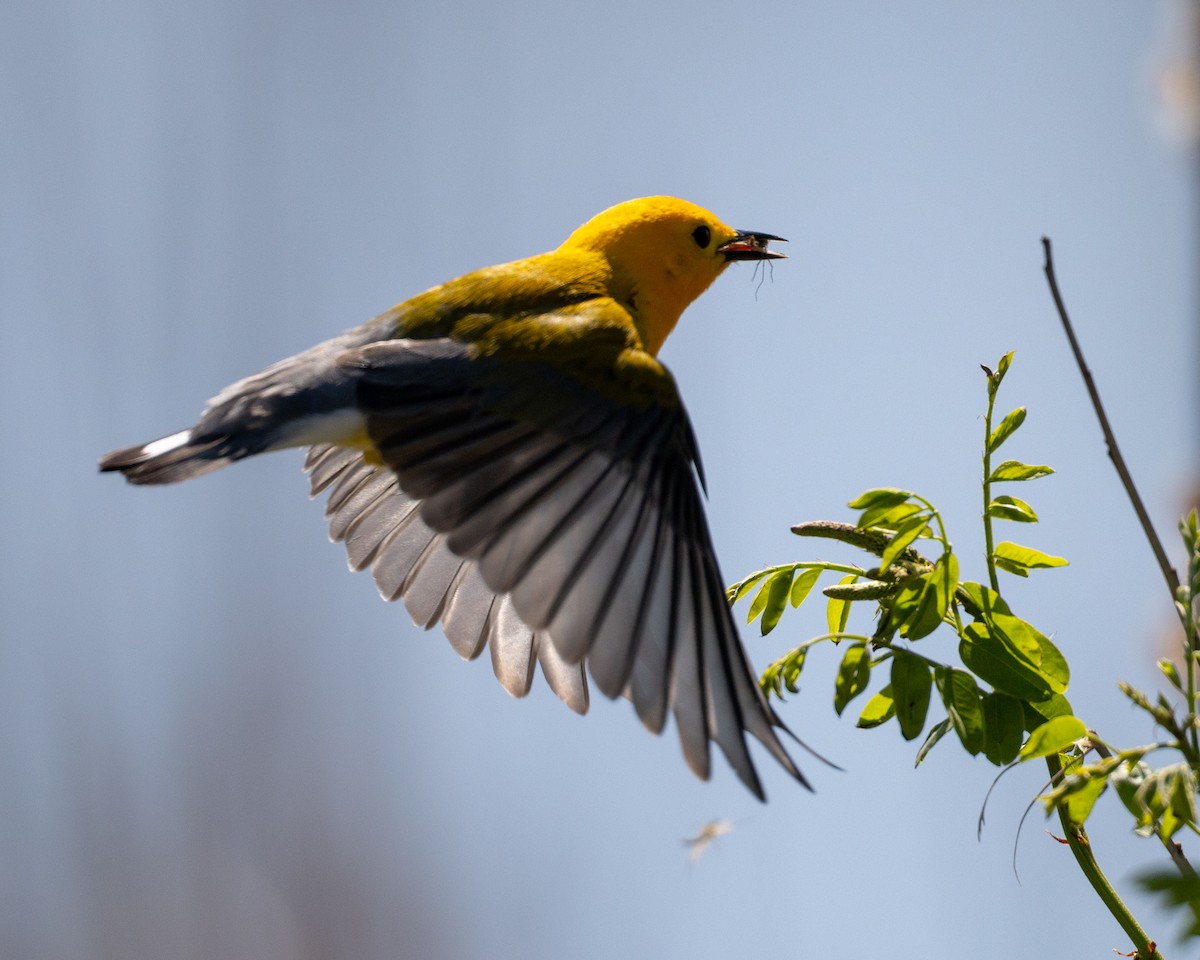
x=749, y=245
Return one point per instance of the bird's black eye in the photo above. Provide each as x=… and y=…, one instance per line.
x=702, y=235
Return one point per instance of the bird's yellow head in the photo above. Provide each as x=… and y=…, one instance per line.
x=663, y=253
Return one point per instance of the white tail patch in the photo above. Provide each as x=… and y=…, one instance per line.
x=165, y=445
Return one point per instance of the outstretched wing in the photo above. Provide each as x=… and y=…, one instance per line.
x=382, y=529
x=538, y=514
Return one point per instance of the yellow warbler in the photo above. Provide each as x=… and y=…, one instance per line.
x=508, y=456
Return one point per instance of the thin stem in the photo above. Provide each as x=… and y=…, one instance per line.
x=1081, y=847
x=835, y=637
x=934, y=515
x=1175, y=851
x=1190, y=736
x=988, y=540
x=1114, y=452
x=1170, y=576
x=846, y=568
x=1076, y=835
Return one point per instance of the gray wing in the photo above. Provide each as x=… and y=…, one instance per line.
x=527, y=510
x=382, y=529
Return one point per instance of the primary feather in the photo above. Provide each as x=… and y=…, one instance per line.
x=509, y=458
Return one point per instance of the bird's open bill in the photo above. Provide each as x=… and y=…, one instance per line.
x=751, y=245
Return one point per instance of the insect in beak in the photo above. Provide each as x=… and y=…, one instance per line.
x=750, y=245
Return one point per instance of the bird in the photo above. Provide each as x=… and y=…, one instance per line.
x=509, y=457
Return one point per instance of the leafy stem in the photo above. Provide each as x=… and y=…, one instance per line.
x=1075, y=833
x=1077, y=839
x=1005, y=696
x=1188, y=604
x=989, y=543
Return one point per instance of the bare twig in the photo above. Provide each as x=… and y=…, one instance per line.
x=1114, y=452
x=1175, y=850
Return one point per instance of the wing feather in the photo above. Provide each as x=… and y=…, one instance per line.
x=382, y=527
x=591, y=565
x=401, y=554
x=567, y=680
x=468, y=615
x=366, y=534
x=533, y=514
x=323, y=464
x=368, y=495
x=343, y=489
x=513, y=647
x=432, y=579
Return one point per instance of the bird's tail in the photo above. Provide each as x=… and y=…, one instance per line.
x=179, y=456
x=296, y=402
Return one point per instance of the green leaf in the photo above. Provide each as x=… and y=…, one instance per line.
x=837, y=612
x=961, y=697
x=935, y=735
x=1165, y=800
x=1054, y=664
x=910, y=686
x=922, y=602
x=803, y=583
x=1189, y=529
x=915, y=608
x=776, y=591
x=905, y=535
x=784, y=673
x=1023, y=638
x=1003, y=727
x=1126, y=779
x=759, y=603
x=791, y=670
x=879, y=497
x=1008, y=426
x=1080, y=800
x=1013, y=554
x=945, y=580
x=1178, y=890
x=1183, y=793
x=1031, y=645
x=852, y=677
x=1038, y=713
x=879, y=709
x=1053, y=736
x=1171, y=672
x=738, y=590
x=1014, y=568
x=888, y=517
x=1002, y=367
x=1016, y=470
x=995, y=662
x=975, y=593
x=1011, y=508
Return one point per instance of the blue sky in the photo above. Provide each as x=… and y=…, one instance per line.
x=217, y=742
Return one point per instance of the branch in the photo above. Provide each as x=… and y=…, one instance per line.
x=1077, y=839
x=1175, y=850
x=1114, y=452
